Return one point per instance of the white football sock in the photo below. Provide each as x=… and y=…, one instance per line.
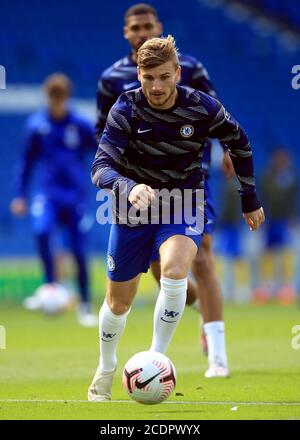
x=168, y=311
x=111, y=327
x=215, y=335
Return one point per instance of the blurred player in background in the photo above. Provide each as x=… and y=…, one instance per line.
x=141, y=24
x=154, y=139
x=56, y=141
x=279, y=185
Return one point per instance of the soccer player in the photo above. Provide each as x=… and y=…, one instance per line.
x=153, y=140
x=56, y=141
x=142, y=23
x=279, y=184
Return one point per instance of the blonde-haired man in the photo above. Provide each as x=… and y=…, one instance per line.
x=141, y=22
x=153, y=140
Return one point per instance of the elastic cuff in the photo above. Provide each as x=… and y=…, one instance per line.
x=124, y=186
x=112, y=316
x=250, y=203
x=173, y=284
x=218, y=325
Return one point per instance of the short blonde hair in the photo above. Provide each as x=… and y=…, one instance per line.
x=157, y=51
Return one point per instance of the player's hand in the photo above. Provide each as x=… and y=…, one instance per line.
x=18, y=206
x=254, y=219
x=227, y=166
x=141, y=196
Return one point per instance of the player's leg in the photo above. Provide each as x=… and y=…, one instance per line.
x=192, y=291
x=129, y=253
x=211, y=307
x=204, y=273
x=112, y=321
x=45, y=254
x=112, y=318
x=212, y=334
x=72, y=220
x=176, y=256
x=44, y=218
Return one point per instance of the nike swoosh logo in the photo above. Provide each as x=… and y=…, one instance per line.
x=193, y=230
x=167, y=321
x=141, y=385
x=144, y=131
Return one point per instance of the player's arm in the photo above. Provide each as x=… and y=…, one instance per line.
x=227, y=165
x=225, y=128
x=201, y=80
x=105, y=100
x=105, y=168
x=23, y=170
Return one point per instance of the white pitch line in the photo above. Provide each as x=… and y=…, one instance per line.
x=167, y=402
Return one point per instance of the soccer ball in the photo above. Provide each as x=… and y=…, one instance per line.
x=54, y=298
x=50, y=299
x=149, y=377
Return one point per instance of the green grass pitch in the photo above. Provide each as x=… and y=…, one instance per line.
x=49, y=362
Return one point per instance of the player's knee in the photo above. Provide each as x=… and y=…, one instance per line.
x=174, y=271
x=118, y=307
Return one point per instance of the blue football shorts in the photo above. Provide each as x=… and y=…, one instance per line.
x=130, y=248
x=210, y=216
x=210, y=212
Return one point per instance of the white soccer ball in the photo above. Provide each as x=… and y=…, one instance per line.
x=149, y=377
x=51, y=298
